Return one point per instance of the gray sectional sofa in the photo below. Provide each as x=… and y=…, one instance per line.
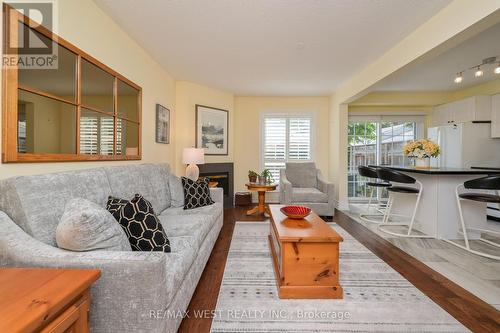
x=138, y=291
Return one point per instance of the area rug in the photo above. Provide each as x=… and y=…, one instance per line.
x=376, y=297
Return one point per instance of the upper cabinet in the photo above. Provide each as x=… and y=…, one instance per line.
x=495, y=116
x=477, y=108
x=77, y=109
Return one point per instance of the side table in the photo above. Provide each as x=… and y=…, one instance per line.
x=261, y=208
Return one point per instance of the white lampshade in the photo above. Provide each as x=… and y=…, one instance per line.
x=193, y=156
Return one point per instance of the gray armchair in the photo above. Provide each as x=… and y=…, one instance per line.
x=302, y=184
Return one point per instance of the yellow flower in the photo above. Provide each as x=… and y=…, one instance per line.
x=421, y=148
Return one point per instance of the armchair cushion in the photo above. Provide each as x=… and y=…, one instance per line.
x=303, y=194
x=85, y=226
x=302, y=174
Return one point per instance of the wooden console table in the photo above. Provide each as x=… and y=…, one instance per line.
x=45, y=300
x=305, y=256
x=261, y=208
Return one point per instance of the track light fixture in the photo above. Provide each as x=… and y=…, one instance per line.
x=478, y=72
x=478, y=69
x=459, y=78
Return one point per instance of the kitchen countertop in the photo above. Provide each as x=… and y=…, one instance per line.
x=441, y=171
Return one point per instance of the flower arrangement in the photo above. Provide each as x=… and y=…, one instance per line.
x=421, y=149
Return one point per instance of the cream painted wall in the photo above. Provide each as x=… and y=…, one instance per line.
x=488, y=88
x=82, y=23
x=394, y=109
x=402, y=98
x=247, y=128
x=187, y=95
x=442, y=31
x=417, y=102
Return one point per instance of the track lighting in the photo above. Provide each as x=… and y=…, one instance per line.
x=479, y=68
x=478, y=72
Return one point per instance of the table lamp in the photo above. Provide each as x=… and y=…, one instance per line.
x=192, y=157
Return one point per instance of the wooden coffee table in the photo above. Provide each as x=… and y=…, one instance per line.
x=305, y=256
x=45, y=299
x=261, y=208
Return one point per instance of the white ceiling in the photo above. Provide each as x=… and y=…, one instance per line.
x=269, y=47
x=438, y=73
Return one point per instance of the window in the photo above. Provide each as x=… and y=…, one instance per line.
x=377, y=140
x=285, y=138
x=78, y=110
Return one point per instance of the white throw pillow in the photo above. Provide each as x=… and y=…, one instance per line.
x=176, y=191
x=85, y=226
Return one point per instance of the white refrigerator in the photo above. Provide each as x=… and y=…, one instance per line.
x=465, y=145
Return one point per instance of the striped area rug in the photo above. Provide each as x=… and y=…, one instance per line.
x=376, y=297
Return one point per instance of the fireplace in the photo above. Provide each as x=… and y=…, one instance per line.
x=222, y=173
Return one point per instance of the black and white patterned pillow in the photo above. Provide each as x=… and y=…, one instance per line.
x=115, y=205
x=140, y=223
x=196, y=194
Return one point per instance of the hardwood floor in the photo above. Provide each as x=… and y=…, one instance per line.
x=472, y=312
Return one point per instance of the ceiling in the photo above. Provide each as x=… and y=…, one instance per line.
x=269, y=47
x=438, y=73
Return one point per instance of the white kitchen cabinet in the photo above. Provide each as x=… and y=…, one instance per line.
x=441, y=115
x=495, y=116
x=477, y=108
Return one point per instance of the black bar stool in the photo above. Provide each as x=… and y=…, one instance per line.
x=390, y=176
x=370, y=172
x=489, y=183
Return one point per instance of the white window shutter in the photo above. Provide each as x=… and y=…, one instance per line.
x=299, y=139
x=286, y=138
x=107, y=133
x=88, y=135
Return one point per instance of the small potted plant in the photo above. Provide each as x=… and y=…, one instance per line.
x=266, y=177
x=422, y=151
x=252, y=176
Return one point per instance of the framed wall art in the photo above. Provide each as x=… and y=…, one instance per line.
x=212, y=130
x=162, y=124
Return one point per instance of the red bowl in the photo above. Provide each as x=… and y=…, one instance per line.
x=296, y=212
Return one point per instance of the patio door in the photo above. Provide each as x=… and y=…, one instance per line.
x=376, y=141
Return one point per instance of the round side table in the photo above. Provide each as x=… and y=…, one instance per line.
x=261, y=208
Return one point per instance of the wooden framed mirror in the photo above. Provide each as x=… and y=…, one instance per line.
x=81, y=110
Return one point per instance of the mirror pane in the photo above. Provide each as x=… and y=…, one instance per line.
x=61, y=81
x=127, y=138
x=128, y=101
x=45, y=125
x=96, y=87
x=96, y=133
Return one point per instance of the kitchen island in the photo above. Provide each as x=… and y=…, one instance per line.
x=438, y=215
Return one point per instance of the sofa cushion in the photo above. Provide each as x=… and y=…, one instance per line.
x=302, y=174
x=85, y=226
x=149, y=180
x=194, y=225
x=140, y=223
x=196, y=193
x=176, y=191
x=308, y=195
x=36, y=203
x=178, y=263
x=214, y=210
